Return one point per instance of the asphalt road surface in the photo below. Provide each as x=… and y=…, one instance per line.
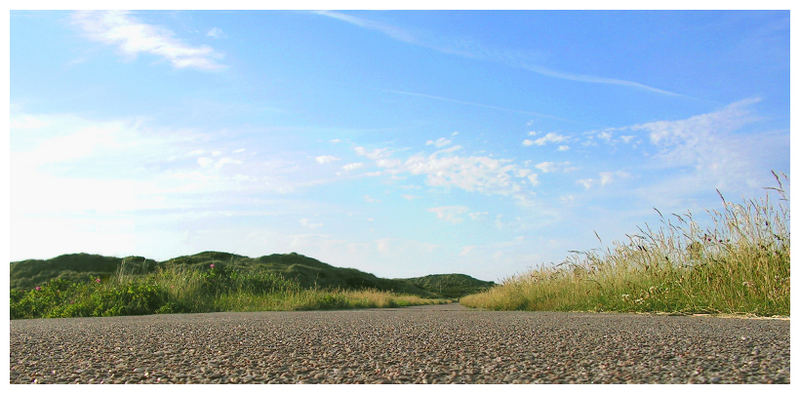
x=429, y=344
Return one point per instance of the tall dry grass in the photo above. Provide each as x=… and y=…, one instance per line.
x=737, y=264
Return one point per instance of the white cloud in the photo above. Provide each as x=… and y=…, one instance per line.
x=548, y=138
x=562, y=148
x=441, y=142
x=546, y=166
x=226, y=160
x=723, y=149
x=713, y=151
x=498, y=222
x=587, y=183
x=28, y=121
x=473, y=173
x=133, y=37
x=326, y=159
x=549, y=166
x=205, y=161
x=215, y=32
x=126, y=165
x=352, y=166
x=451, y=214
x=305, y=222
x=477, y=215
x=481, y=174
x=374, y=154
x=527, y=142
x=692, y=132
x=116, y=150
x=604, y=178
x=709, y=144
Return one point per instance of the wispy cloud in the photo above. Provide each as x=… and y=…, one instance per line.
x=694, y=130
x=125, y=165
x=712, y=146
x=549, y=166
x=546, y=139
x=594, y=79
x=440, y=142
x=389, y=30
x=603, y=178
x=326, y=159
x=352, y=166
x=305, y=222
x=713, y=149
x=450, y=214
x=215, y=32
x=467, y=48
x=133, y=37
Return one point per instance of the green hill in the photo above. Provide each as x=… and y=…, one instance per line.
x=74, y=267
x=450, y=285
x=307, y=271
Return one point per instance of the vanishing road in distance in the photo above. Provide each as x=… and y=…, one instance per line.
x=427, y=344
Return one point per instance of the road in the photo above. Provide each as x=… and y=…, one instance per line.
x=428, y=344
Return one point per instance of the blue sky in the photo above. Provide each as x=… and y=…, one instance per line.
x=399, y=143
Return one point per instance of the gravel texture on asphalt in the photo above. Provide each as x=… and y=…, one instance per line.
x=428, y=344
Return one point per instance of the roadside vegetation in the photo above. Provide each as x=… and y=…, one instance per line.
x=739, y=264
x=189, y=289
x=306, y=271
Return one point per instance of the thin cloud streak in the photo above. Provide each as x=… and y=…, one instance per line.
x=391, y=31
x=477, y=51
x=593, y=79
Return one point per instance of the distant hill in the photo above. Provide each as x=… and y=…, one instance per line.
x=79, y=266
x=308, y=271
x=450, y=285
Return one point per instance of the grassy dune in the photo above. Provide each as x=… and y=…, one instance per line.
x=183, y=289
x=739, y=265
x=306, y=271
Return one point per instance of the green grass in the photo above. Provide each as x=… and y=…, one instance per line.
x=306, y=271
x=739, y=265
x=186, y=289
